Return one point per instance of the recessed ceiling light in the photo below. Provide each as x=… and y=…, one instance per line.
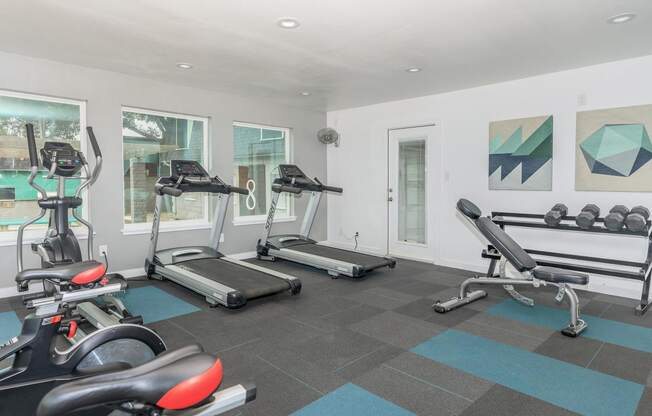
x=621, y=18
x=184, y=65
x=305, y=93
x=415, y=69
x=288, y=23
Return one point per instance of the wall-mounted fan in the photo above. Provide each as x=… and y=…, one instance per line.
x=328, y=135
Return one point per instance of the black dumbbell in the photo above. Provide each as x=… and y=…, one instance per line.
x=615, y=220
x=586, y=218
x=556, y=213
x=636, y=221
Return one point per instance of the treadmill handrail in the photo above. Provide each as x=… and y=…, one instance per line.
x=328, y=188
x=285, y=188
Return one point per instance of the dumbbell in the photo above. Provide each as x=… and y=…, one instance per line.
x=615, y=220
x=556, y=213
x=636, y=221
x=586, y=218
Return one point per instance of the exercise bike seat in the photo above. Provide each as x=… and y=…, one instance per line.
x=76, y=273
x=554, y=275
x=174, y=380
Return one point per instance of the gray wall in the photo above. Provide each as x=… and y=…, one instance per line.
x=105, y=93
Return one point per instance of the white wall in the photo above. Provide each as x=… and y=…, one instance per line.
x=105, y=93
x=359, y=164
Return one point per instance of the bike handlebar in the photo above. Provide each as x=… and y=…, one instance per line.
x=31, y=145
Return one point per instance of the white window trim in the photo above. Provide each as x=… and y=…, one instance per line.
x=170, y=226
x=31, y=235
x=260, y=219
x=178, y=225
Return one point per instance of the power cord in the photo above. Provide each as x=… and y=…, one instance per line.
x=355, y=237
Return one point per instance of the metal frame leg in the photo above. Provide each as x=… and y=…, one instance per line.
x=577, y=325
x=642, y=308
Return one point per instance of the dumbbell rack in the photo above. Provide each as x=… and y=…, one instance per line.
x=644, y=272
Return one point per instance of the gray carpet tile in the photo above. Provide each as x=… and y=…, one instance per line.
x=299, y=348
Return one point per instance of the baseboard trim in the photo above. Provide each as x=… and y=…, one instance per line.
x=376, y=251
x=131, y=273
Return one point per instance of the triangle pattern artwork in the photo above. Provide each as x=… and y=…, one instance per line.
x=524, y=160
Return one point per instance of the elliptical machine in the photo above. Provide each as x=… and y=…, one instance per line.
x=60, y=245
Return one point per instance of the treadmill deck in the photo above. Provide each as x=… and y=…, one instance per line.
x=367, y=262
x=250, y=282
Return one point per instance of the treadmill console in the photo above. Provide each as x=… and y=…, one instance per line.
x=68, y=160
x=291, y=174
x=191, y=172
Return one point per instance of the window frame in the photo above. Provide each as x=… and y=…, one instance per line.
x=178, y=225
x=261, y=219
x=31, y=234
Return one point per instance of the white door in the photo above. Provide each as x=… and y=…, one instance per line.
x=408, y=193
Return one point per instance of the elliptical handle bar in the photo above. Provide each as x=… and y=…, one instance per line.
x=98, y=157
x=284, y=188
x=93, y=140
x=329, y=188
x=31, y=145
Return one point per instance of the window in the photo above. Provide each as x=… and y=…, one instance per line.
x=54, y=120
x=257, y=152
x=150, y=141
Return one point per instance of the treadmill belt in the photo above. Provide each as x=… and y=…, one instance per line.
x=366, y=261
x=251, y=283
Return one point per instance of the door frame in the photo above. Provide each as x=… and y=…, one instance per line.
x=434, y=186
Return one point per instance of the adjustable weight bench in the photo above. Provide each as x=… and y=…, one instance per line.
x=530, y=273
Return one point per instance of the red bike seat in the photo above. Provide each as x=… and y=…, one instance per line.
x=77, y=273
x=174, y=380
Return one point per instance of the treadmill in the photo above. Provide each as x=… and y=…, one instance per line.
x=220, y=279
x=300, y=248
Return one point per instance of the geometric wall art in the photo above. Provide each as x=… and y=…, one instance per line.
x=520, y=154
x=613, y=150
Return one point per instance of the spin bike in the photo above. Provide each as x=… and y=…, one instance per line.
x=42, y=357
x=117, y=370
x=60, y=245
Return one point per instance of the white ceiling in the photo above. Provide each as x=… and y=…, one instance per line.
x=346, y=52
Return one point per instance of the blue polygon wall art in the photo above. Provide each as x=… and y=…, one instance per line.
x=614, y=150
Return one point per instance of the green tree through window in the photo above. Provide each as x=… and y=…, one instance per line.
x=150, y=141
x=54, y=120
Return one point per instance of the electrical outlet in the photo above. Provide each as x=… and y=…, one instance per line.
x=104, y=250
x=222, y=238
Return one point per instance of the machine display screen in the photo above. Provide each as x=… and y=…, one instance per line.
x=291, y=171
x=187, y=168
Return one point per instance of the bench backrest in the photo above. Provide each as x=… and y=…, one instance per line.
x=505, y=245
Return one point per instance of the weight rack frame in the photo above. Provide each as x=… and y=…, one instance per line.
x=644, y=272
